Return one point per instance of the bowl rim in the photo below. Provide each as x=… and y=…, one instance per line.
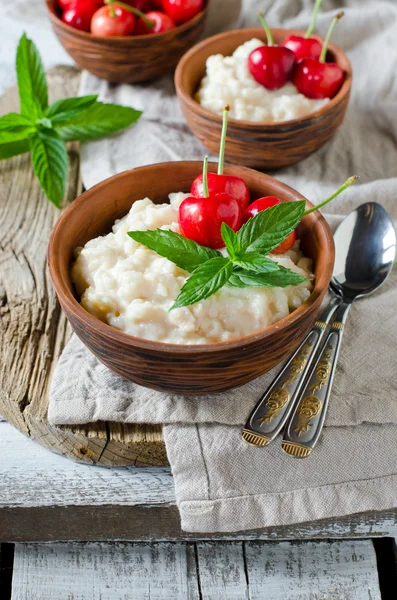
x=254, y=125
x=123, y=39
x=67, y=298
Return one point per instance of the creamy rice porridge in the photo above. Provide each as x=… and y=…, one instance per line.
x=132, y=288
x=228, y=81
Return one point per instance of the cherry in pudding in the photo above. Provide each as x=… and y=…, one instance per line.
x=271, y=65
x=307, y=46
x=218, y=183
x=318, y=79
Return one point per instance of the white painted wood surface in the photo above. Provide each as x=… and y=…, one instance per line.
x=46, y=497
x=312, y=570
x=206, y=571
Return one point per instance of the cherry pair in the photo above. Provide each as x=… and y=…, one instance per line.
x=300, y=59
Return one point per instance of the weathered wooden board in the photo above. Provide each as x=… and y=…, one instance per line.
x=206, y=571
x=33, y=331
x=44, y=497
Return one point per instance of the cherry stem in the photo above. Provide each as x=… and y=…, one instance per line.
x=338, y=191
x=323, y=54
x=221, y=161
x=270, y=41
x=312, y=25
x=137, y=12
x=205, y=177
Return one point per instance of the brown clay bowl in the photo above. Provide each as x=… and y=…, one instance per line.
x=184, y=369
x=129, y=59
x=249, y=143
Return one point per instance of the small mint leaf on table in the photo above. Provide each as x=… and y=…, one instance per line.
x=281, y=278
x=50, y=163
x=13, y=148
x=270, y=227
x=97, y=121
x=185, y=253
x=205, y=281
x=32, y=84
x=257, y=262
x=14, y=127
x=64, y=111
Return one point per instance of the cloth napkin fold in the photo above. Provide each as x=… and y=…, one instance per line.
x=221, y=483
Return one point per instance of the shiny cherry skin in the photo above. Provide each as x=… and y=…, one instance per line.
x=263, y=204
x=223, y=184
x=182, y=10
x=162, y=22
x=65, y=4
x=200, y=219
x=79, y=14
x=271, y=66
x=318, y=80
x=103, y=24
x=303, y=47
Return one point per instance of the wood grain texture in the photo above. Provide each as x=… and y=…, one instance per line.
x=255, y=144
x=184, y=369
x=33, y=330
x=44, y=497
x=129, y=59
x=205, y=571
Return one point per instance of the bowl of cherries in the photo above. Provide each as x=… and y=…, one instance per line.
x=288, y=92
x=130, y=41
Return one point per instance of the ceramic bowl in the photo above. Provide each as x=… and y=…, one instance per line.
x=183, y=369
x=249, y=143
x=128, y=59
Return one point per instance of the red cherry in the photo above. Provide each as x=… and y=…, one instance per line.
x=182, y=10
x=259, y=205
x=223, y=184
x=162, y=22
x=157, y=4
x=200, y=219
x=65, y=4
x=112, y=21
x=303, y=47
x=317, y=79
x=263, y=204
x=142, y=5
x=270, y=65
x=79, y=15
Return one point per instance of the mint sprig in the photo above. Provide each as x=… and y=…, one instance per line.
x=246, y=264
x=44, y=129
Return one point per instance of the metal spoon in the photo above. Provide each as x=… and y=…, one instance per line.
x=365, y=251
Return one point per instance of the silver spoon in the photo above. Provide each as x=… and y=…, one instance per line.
x=365, y=251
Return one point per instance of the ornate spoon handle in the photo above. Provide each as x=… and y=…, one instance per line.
x=274, y=407
x=306, y=423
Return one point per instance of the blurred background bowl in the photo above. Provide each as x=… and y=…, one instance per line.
x=128, y=59
x=183, y=369
x=249, y=143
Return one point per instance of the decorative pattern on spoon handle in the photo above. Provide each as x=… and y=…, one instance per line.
x=273, y=409
x=306, y=423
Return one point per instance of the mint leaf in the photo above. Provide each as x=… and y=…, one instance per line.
x=32, y=84
x=270, y=227
x=13, y=148
x=97, y=121
x=185, y=253
x=50, y=163
x=254, y=261
x=64, y=111
x=205, y=281
x=231, y=240
x=281, y=278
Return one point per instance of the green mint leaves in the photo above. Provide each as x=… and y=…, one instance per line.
x=246, y=264
x=43, y=130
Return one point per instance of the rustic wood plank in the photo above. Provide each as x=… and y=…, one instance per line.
x=33, y=331
x=44, y=497
x=106, y=571
x=222, y=571
x=312, y=571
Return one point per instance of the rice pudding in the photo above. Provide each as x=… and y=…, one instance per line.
x=229, y=82
x=132, y=288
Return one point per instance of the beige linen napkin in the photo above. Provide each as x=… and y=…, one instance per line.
x=221, y=483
